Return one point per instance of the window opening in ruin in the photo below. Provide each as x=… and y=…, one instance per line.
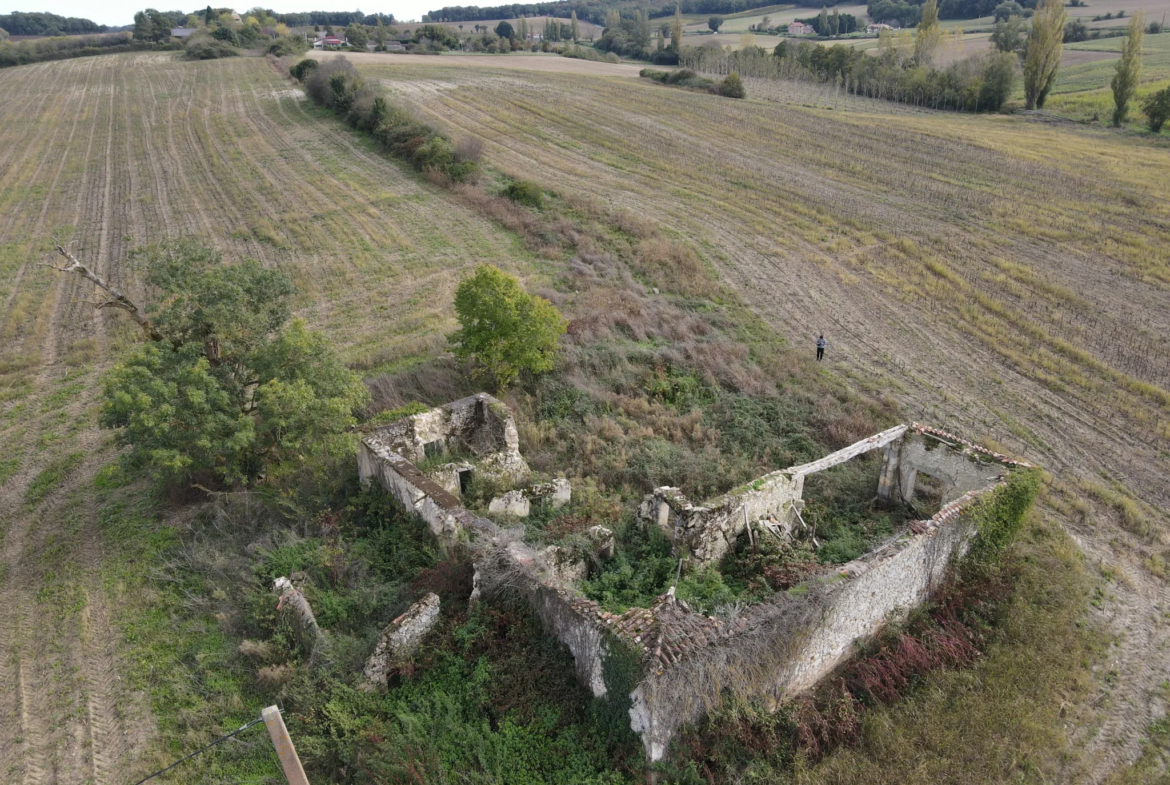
x=434, y=449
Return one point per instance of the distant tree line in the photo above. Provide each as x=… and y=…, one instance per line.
x=906, y=13
x=595, y=10
x=331, y=18
x=836, y=23
x=18, y=23
x=588, y=11
x=980, y=83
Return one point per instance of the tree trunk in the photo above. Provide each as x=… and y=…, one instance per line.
x=118, y=300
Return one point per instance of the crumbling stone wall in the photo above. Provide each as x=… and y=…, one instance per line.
x=478, y=425
x=776, y=649
x=705, y=533
x=961, y=466
x=787, y=645
x=413, y=489
x=563, y=612
x=402, y=637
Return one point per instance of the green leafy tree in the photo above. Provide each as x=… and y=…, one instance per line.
x=1008, y=9
x=1157, y=109
x=715, y=23
x=732, y=87
x=999, y=78
x=1042, y=56
x=230, y=389
x=823, y=22
x=1010, y=35
x=150, y=25
x=575, y=26
x=503, y=329
x=1125, y=81
x=357, y=35
x=929, y=35
x=504, y=30
x=676, y=29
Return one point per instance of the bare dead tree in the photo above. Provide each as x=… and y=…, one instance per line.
x=117, y=299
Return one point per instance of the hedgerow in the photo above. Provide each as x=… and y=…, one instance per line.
x=337, y=85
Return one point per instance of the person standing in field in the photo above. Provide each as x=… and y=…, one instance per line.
x=821, y=344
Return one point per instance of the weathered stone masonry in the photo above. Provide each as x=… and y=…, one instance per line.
x=775, y=649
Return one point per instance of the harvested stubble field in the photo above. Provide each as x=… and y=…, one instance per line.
x=997, y=275
x=112, y=152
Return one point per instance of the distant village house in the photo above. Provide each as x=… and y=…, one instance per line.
x=800, y=28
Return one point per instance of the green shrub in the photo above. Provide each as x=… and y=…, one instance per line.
x=336, y=84
x=303, y=69
x=1000, y=514
x=226, y=34
x=525, y=192
x=1157, y=109
x=288, y=46
x=642, y=568
x=209, y=49
x=732, y=87
x=683, y=77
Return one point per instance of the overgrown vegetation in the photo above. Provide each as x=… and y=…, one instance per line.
x=464, y=702
x=208, y=49
x=730, y=87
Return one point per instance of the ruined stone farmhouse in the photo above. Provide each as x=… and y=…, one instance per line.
x=683, y=660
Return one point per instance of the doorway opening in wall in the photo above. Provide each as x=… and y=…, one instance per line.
x=465, y=476
x=434, y=449
x=928, y=495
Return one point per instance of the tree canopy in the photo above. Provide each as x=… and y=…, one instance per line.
x=233, y=391
x=39, y=23
x=503, y=330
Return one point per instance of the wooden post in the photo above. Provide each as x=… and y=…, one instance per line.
x=293, y=771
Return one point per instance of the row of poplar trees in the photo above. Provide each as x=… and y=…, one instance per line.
x=1042, y=58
